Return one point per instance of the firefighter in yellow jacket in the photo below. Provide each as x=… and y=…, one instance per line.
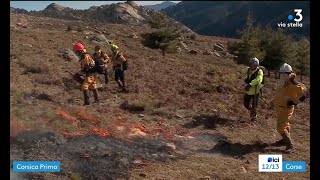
x=88, y=69
x=120, y=64
x=254, y=78
x=288, y=94
x=102, y=59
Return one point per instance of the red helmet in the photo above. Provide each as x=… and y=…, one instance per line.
x=78, y=47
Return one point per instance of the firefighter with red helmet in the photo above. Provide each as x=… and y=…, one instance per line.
x=88, y=70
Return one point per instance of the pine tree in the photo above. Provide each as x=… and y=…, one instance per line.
x=303, y=57
x=157, y=20
x=164, y=39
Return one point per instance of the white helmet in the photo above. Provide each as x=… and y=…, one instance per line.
x=254, y=61
x=285, y=68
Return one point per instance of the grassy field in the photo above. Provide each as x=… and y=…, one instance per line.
x=169, y=125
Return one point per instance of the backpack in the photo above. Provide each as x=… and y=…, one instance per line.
x=99, y=64
x=92, y=65
x=255, y=74
x=125, y=64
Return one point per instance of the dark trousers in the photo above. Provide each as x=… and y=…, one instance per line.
x=119, y=74
x=248, y=101
x=106, y=76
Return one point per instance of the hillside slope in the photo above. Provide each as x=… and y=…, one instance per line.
x=182, y=118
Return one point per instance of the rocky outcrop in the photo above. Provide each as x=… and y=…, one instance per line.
x=124, y=13
x=54, y=7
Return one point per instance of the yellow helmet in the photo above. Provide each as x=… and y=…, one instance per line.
x=114, y=47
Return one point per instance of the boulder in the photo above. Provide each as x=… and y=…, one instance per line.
x=134, y=36
x=180, y=39
x=68, y=55
x=132, y=3
x=24, y=25
x=207, y=52
x=218, y=47
x=98, y=31
x=88, y=33
x=184, y=45
x=97, y=43
x=99, y=38
x=217, y=54
x=179, y=50
x=112, y=35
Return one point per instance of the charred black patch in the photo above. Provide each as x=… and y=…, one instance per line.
x=133, y=108
x=90, y=156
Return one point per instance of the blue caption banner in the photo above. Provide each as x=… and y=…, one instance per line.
x=36, y=166
x=293, y=166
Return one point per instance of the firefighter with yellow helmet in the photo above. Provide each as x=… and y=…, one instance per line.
x=120, y=64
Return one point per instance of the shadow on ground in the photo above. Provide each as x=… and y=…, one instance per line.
x=209, y=122
x=238, y=150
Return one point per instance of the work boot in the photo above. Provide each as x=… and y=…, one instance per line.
x=281, y=142
x=289, y=145
x=253, y=115
x=289, y=149
x=86, y=97
x=123, y=87
x=95, y=95
x=119, y=84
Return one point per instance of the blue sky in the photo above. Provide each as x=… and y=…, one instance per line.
x=40, y=5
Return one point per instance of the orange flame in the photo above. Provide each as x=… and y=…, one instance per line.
x=66, y=116
x=87, y=117
x=142, y=128
x=100, y=132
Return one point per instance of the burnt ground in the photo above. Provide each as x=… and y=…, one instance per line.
x=182, y=117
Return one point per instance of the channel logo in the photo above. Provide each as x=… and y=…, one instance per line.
x=274, y=163
x=270, y=163
x=272, y=159
x=297, y=18
x=36, y=166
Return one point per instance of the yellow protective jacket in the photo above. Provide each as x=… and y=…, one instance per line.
x=117, y=59
x=255, y=82
x=86, y=63
x=103, y=56
x=291, y=91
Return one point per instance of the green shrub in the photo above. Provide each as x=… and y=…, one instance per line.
x=272, y=48
x=164, y=39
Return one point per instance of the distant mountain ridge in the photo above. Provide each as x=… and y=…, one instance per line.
x=161, y=6
x=123, y=13
x=18, y=10
x=224, y=18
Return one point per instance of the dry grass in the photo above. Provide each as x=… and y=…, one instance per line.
x=180, y=84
